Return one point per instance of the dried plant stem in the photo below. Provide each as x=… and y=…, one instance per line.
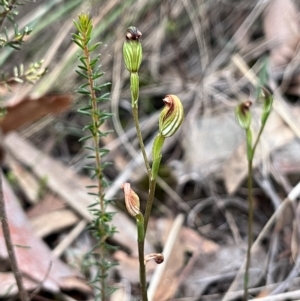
x=250, y=226
x=10, y=248
x=251, y=152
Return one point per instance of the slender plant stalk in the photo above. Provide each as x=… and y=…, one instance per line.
x=95, y=135
x=258, y=137
x=142, y=228
x=250, y=226
x=152, y=181
x=143, y=283
x=244, y=117
x=10, y=248
x=141, y=244
x=101, y=225
x=170, y=120
x=251, y=152
x=149, y=202
x=142, y=231
x=98, y=169
x=140, y=137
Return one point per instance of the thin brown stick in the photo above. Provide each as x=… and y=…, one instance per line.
x=10, y=248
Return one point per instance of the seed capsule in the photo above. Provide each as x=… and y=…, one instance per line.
x=132, y=200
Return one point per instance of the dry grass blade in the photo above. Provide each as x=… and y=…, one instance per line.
x=68, y=185
x=292, y=198
x=281, y=25
x=173, y=260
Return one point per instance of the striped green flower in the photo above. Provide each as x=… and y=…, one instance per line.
x=243, y=114
x=171, y=116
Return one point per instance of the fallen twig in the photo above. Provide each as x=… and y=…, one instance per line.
x=10, y=248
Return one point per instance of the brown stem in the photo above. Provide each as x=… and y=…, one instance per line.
x=10, y=248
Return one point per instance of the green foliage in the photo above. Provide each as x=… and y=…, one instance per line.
x=17, y=40
x=101, y=227
x=32, y=74
x=8, y=10
x=267, y=105
x=35, y=70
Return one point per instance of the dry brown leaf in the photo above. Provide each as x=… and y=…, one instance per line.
x=27, y=182
x=294, y=88
x=69, y=187
x=29, y=110
x=174, y=253
x=281, y=25
x=208, y=144
x=53, y=222
x=70, y=283
x=50, y=202
x=235, y=170
x=194, y=242
x=9, y=287
x=33, y=255
x=119, y=294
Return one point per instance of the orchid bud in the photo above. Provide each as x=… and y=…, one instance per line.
x=243, y=114
x=132, y=50
x=132, y=200
x=171, y=116
x=268, y=102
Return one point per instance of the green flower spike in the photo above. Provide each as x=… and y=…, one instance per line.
x=132, y=50
x=171, y=116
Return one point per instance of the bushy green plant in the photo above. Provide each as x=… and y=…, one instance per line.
x=91, y=92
